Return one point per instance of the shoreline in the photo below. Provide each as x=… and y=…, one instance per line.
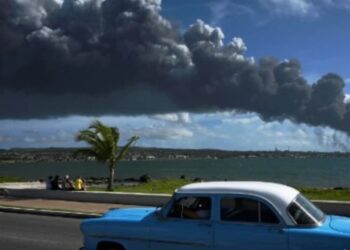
x=167, y=186
x=39, y=155
x=293, y=172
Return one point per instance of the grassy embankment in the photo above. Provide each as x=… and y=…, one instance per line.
x=162, y=186
x=326, y=194
x=9, y=179
x=167, y=186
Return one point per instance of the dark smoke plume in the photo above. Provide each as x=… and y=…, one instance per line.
x=94, y=57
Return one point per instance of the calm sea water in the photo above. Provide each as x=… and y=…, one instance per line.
x=308, y=172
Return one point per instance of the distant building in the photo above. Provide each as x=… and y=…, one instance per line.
x=91, y=158
x=150, y=157
x=136, y=157
x=181, y=157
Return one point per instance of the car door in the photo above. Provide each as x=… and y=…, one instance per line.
x=246, y=223
x=181, y=230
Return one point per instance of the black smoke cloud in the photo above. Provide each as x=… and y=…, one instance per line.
x=95, y=57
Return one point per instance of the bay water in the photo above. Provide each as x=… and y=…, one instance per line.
x=298, y=172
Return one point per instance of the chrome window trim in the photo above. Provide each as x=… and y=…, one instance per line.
x=316, y=224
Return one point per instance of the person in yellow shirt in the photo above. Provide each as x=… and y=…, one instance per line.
x=79, y=184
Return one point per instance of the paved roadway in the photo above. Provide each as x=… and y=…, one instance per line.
x=31, y=232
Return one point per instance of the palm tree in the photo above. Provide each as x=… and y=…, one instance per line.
x=103, y=141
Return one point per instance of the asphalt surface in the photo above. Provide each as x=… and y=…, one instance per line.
x=33, y=232
x=60, y=205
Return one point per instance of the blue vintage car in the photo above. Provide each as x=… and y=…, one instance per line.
x=221, y=216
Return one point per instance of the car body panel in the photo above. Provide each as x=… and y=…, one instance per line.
x=246, y=236
x=128, y=226
x=173, y=234
x=156, y=229
x=322, y=237
x=129, y=214
x=340, y=224
x=178, y=234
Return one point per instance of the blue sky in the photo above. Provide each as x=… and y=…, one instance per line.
x=316, y=32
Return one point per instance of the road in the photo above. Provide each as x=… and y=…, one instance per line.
x=31, y=232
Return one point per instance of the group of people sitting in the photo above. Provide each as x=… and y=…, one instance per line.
x=67, y=184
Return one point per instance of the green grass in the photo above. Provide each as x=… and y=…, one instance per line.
x=167, y=186
x=326, y=194
x=9, y=179
x=162, y=186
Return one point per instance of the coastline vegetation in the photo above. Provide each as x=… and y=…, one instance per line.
x=167, y=186
x=163, y=186
x=103, y=141
x=4, y=179
x=333, y=194
x=32, y=155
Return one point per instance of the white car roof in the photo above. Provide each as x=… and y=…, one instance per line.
x=278, y=195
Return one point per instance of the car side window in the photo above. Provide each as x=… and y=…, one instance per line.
x=241, y=209
x=191, y=207
x=299, y=215
x=304, y=212
x=267, y=215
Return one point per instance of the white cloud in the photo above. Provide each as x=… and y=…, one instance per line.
x=222, y=130
x=347, y=98
x=246, y=119
x=303, y=8
x=31, y=136
x=182, y=117
x=220, y=10
x=211, y=134
x=164, y=133
x=60, y=2
x=223, y=10
x=29, y=139
x=291, y=7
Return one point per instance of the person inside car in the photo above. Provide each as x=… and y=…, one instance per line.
x=200, y=211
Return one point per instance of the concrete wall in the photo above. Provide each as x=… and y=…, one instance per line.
x=334, y=207
x=329, y=207
x=98, y=197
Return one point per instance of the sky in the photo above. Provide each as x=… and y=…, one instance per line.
x=224, y=74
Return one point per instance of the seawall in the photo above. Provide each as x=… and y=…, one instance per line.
x=329, y=207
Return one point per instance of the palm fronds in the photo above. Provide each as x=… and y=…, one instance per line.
x=103, y=142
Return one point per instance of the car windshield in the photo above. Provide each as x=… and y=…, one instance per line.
x=304, y=212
